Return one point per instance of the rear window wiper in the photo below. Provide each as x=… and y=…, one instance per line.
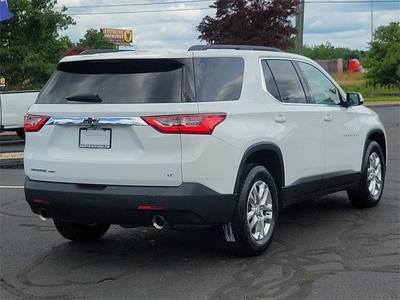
x=85, y=98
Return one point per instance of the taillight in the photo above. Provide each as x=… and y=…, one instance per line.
x=33, y=123
x=194, y=124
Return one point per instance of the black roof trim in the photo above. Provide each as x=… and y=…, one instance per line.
x=233, y=47
x=94, y=51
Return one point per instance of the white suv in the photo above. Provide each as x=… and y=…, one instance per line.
x=217, y=135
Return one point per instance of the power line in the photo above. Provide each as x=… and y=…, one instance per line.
x=136, y=12
x=136, y=4
x=202, y=1
x=196, y=8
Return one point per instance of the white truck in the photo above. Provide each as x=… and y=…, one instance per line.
x=13, y=107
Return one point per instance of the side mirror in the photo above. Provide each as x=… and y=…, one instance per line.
x=354, y=99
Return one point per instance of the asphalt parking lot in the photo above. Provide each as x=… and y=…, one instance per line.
x=323, y=249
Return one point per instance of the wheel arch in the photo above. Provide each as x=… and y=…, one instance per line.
x=270, y=156
x=378, y=136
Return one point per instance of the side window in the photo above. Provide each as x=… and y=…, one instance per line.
x=270, y=81
x=287, y=80
x=218, y=78
x=322, y=89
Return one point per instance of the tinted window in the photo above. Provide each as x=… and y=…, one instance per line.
x=322, y=89
x=218, y=79
x=117, y=81
x=288, y=81
x=270, y=81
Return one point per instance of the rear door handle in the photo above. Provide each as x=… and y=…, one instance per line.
x=328, y=118
x=280, y=119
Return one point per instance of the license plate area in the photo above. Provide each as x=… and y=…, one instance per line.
x=95, y=137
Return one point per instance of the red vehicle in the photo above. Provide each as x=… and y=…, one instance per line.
x=355, y=66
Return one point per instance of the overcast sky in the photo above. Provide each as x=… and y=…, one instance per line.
x=171, y=24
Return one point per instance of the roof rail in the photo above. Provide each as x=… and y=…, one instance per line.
x=135, y=47
x=94, y=51
x=233, y=47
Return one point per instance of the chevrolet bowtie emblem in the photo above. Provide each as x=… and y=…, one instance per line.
x=91, y=121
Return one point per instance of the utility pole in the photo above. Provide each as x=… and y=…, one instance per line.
x=372, y=22
x=300, y=27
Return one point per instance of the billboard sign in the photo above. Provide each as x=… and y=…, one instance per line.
x=121, y=37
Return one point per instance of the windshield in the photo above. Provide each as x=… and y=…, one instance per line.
x=116, y=81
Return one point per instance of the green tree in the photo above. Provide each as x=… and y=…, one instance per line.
x=30, y=48
x=66, y=41
x=383, y=58
x=323, y=51
x=95, y=39
x=250, y=22
x=327, y=51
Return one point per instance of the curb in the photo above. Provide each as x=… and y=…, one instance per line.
x=377, y=104
x=15, y=163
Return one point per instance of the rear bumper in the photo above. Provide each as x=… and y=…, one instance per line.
x=189, y=203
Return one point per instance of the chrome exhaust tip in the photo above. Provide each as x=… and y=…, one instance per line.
x=158, y=222
x=43, y=214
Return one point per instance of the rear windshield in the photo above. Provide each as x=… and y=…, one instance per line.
x=146, y=80
x=116, y=81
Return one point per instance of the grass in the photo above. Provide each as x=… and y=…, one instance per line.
x=356, y=83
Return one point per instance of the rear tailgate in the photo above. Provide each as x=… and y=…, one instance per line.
x=103, y=147
x=94, y=132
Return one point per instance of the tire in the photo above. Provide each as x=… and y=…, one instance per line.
x=255, y=215
x=372, y=181
x=80, y=232
x=21, y=133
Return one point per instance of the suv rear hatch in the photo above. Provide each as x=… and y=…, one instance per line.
x=87, y=126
